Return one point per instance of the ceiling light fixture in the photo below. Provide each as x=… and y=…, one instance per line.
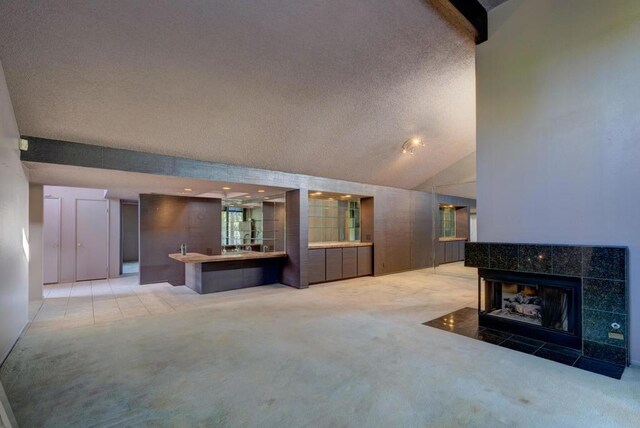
x=411, y=144
x=247, y=196
x=317, y=193
x=266, y=198
x=186, y=189
x=260, y=191
x=347, y=196
x=226, y=188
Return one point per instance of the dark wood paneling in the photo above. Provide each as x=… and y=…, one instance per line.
x=462, y=222
x=349, y=262
x=334, y=264
x=365, y=261
x=317, y=266
x=421, y=230
x=295, y=271
x=168, y=221
x=366, y=219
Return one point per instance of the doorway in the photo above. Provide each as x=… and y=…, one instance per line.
x=129, y=262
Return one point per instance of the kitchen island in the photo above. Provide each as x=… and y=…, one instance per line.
x=211, y=274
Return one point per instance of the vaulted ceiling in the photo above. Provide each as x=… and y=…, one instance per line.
x=330, y=88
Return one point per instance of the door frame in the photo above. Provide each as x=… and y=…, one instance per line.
x=75, y=245
x=59, y=236
x=137, y=204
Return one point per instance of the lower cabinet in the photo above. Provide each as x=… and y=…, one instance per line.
x=449, y=251
x=334, y=264
x=331, y=264
x=317, y=266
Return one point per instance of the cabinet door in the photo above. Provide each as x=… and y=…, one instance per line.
x=316, y=266
x=365, y=261
x=440, y=253
x=462, y=249
x=334, y=264
x=349, y=262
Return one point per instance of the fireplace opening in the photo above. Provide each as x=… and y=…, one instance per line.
x=538, y=306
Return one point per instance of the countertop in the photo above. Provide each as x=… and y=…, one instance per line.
x=338, y=244
x=452, y=239
x=248, y=255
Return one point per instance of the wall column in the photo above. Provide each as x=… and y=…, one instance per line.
x=36, y=219
x=295, y=269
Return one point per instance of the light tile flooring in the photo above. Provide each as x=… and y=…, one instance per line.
x=79, y=304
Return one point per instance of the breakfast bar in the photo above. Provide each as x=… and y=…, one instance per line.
x=211, y=274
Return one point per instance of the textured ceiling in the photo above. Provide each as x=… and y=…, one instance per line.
x=328, y=88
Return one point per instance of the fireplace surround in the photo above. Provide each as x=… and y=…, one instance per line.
x=585, y=288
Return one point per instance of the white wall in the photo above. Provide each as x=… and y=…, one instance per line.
x=36, y=219
x=68, y=197
x=558, y=141
x=14, y=228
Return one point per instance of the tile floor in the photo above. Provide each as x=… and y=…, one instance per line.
x=78, y=304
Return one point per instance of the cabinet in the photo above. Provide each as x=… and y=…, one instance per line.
x=331, y=264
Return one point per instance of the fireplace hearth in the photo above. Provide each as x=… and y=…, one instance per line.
x=538, y=306
x=570, y=295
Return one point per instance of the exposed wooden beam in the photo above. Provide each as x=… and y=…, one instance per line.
x=468, y=16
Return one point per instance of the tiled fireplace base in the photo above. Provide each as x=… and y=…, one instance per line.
x=465, y=323
x=603, y=274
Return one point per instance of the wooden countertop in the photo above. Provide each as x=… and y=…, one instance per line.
x=249, y=255
x=338, y=244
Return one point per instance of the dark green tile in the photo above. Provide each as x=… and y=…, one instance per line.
x=600, y=367
x=535, y=258
x=599, y=351
x=604, y=263
x=476, y=254
x=503, y=257
x=567, y=260
x=604, y=295
x=596, y=326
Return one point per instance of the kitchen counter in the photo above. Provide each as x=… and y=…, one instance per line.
x=211, y=274
x=231, y=256
x=452, y=239
x=338, y=244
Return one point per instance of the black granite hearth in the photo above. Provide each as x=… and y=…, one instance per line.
x=465, y=322
x=603, y=275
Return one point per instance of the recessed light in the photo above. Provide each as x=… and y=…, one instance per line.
x=318, y=193
x=186, y=189
x=226, y=188
x=266, y=198
x=347, y=196
x=260, y=191
x=247, y=196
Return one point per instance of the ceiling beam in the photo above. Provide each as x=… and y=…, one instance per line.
x=468, y=16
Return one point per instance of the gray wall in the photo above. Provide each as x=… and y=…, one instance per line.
x=129, y=237
x=558, y=153
x=36, y=248
x=68, y=197
x=14, y=228
x=168, y=221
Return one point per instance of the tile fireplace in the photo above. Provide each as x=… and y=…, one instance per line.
x=574, y=296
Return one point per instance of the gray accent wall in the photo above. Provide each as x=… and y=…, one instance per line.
x=168, y=221
x=398, y=221
x=14, y=228
x=558, y=156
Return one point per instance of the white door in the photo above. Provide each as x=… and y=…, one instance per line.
x=92, y=239
x=51, y=241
